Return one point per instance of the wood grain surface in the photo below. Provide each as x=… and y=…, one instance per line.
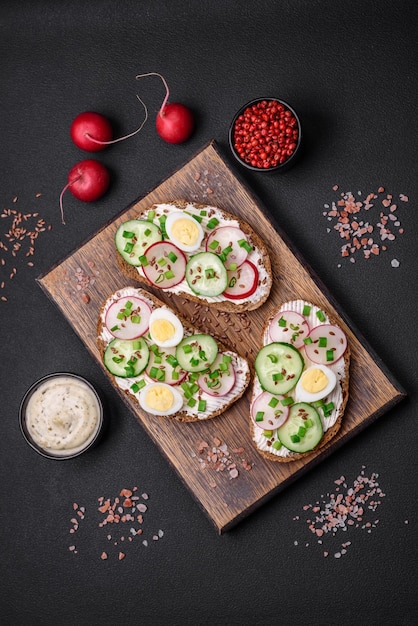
x=91, y=273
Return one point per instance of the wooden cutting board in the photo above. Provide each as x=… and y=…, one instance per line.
x=91, y=273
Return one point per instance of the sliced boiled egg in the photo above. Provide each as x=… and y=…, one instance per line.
x=160, y=399
x=165, y=328
x=184, y=231
x=315, y=383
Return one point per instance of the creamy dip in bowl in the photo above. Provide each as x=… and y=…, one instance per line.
x=61, y=416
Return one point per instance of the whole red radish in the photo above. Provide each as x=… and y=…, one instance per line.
x=91, y=131
x=174, y=122
x=88, y=181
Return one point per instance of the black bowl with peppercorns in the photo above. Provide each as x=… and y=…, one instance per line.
x=265, y=135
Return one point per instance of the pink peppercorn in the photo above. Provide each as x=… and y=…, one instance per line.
x=266, y=134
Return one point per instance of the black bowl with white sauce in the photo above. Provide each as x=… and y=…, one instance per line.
x=61, y=416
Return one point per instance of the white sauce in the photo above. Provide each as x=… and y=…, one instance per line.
x=62, y=415
x=213, y=403
x=264, y=443
x=255, y=256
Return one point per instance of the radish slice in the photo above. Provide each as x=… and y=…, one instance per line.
x=162, y=367
x=326, y=344
x=226, y=241
x=268, y=412
x=164, y=264
x=290, y=327
x=242, y=282
x=128, y=317
x=220, y=379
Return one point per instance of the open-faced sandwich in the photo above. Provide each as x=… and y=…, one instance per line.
x=196, y=251
x=301, y=382
x=169, y=367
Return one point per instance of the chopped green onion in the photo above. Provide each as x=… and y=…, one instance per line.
x=174, y=375
x=173, y=257
x=295, y=438
x=301, y=431
x=191, y=402
x=307, y=341
x=308, y=423
x=227, y=358
x=114, y=328
x=277, y=377
x=259, y=416
x=267, y=433
x=277, y=444
x=201, y=407
x=143, y=260
x=171, y=360
x=135, y=319
x=286, y=401
x=328, y=409
x=197, y=218
x=243, y=243
x=187, y=348
x=306, y=309
x=168, y=274
x=137, y=344
x=127, y=234
x=151, y=215
x=321, y=316
x=282, y=322
x=322, y=342
x=147, y=232
x=233, y=267
x=138, y=386
x=213, y=244
x=203, y=212
x=162, y=261
x=213, y=222
x=330, y=355
x=210, y=273
x=273, y=402
x=194, y=362
x=128, y=248
x=272, y=357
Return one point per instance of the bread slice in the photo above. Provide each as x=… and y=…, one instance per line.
x=215, y=405
x=259, y=256
x=263, y=444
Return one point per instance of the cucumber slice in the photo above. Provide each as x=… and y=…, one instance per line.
x=302, y=430
x=196, y=353
x=133, y=237
x=278, y=366
x=126, y=358
x=206, y=275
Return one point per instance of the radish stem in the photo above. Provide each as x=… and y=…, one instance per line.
x=160, y=112
x=62, y=193
x=107, y=143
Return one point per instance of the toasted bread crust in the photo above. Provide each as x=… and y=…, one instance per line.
x=331, y=432
x=182, y=416
x=131, y=272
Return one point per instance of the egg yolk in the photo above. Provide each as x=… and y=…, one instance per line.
x=162, y=330
x=159, y=398
x=185, y=231
x=314, y=380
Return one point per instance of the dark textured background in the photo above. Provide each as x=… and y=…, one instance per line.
x=350, y=70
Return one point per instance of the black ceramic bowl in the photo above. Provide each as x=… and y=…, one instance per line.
x=258, y=132
x=52, y=388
